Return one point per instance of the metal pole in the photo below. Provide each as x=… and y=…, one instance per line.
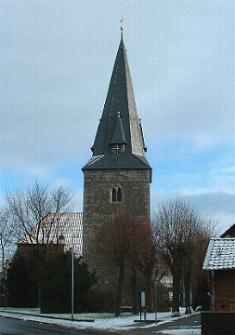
x=155, y=299
x=155, y=295
x=72, y=283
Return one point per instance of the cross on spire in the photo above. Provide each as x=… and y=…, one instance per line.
x=122, y=25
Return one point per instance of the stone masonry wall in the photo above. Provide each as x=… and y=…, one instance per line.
x=98, y=207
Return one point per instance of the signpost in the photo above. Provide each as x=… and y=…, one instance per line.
x=142, y=305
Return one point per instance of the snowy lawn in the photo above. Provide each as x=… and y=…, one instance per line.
x=180, y=331
x=103, y=321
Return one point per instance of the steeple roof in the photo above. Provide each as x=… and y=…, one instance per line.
x=119, y=123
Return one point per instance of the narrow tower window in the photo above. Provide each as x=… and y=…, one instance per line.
x=116, y=194
x=119, y=195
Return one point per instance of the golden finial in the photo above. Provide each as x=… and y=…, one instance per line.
x=122, y=24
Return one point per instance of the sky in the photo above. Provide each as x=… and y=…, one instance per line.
x=56, y=59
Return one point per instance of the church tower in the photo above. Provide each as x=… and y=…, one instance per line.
x=117, y=177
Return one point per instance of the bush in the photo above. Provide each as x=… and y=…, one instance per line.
x=100, y=300
x=22, y=284
x=201, y=297
x=56, y=284
x=42, y=277
x=55, y=297
x=163, y=301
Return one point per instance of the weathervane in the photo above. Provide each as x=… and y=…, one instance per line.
x=122, y=25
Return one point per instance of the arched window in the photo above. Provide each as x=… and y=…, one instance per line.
x=116, y=194
x=119, y=195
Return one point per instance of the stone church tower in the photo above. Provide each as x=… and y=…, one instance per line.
x=117, y=177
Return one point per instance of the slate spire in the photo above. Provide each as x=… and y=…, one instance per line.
x=119, y=125
x=118, y=133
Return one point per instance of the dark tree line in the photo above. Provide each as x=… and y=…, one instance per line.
x=53, y=293
x=181, y=238
x=141, y=252
x=39, y=274
x=136, y=251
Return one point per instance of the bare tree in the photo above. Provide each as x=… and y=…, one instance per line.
x=125, y=245
x=7, y=248
x=38, y=219
x=37, y=212
x=143, y=259
x=7, y=240
x=178, y=233
x=112, y=241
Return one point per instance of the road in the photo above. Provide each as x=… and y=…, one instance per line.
x=10, y=326
x=190, y=323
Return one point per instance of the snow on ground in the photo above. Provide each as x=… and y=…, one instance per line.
x=180, y=331
x=103, y=321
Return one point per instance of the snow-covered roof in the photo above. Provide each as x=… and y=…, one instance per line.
x=57, y=225
x=220, y=254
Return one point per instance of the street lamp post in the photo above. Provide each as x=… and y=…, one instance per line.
x=61, y=240
x=155, y=294
x=72, y=280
